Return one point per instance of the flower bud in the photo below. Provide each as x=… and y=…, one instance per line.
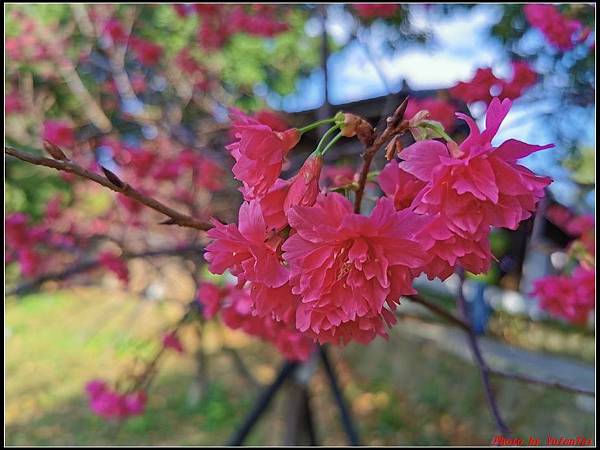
x=354, y=125
x=304, y=185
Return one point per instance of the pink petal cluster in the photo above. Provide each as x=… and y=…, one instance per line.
x=523, y=78
x=371, y=10
x=210, y=296
x=59, y=133
x=148, y=53
x=476, y=185
x=252, y=252
x=22, y=238
x=484, y=85
x=237, y=311
x=337, y=176
x=350, y=270
x=559, y=30
x=309, y=263
x=12, y=103
x=115, y=31
x=220, y=22
x=115, y=264
x=259, y=153
x=110, y=404
x=464, y=190
x=172, y=341
x=439, y=110
x=569, y=297
x=271, y=119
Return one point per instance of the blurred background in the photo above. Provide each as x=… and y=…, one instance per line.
x=93, y=280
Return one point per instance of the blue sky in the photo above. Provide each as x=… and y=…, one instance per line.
x=460, y=44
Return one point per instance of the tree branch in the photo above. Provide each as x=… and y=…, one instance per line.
x=394, y=125
x=552, y=384
x=86, y=266
x=484, y=370
x=439, y=311
x=113, y=183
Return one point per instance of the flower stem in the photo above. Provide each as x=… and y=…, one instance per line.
x=318, y=150
x=332, y=142
x=317, y=124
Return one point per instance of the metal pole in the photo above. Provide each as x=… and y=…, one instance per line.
x=262, y=403
x=349, y=427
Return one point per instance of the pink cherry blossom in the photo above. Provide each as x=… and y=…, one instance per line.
x=522, y=79
x=399, y=185
x=341, y=265
x=559, y=30
x=148, y=53
x=304, y=186
x=115, y=264
x=370, y=10
x=479, y=88
x=59, y=133
x=247, y=250
x=114, y=30
x=439, y=110
x=171, y=341
x=110, y=404
x=237, y=313
x=272, y=119
x=259, y=153
x=210, y=297
x=272, y=205
x=12, y=103
x=571, y=298
x=337, y=176
x=476, y=185
x=448, y=249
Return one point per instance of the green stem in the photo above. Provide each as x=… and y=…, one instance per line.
x=332, y=143
x=328, y=133
x=317, y=124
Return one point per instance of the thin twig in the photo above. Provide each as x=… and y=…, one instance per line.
x=113, y=183
x=394, y=126
x=86, y=266
x=484, y=370
x=439, y=311
x=552, y=384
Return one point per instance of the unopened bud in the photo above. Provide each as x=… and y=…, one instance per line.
x=393, y=148
x=354, y=125
x=55, y=151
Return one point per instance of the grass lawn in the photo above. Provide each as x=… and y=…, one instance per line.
x=402, y=392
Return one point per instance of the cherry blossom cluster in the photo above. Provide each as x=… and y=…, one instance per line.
x=310, y=261
x=373, y=10
x=560, y=31
x=485, y=85
x=220, y=22
x=571, y=295
x=235, y=306
x=113, y=405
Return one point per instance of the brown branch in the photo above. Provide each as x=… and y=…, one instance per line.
x=484, y=370
x=86, y=266
x=176, y=218
x=439, y=311
x=519, y=377
x=552, y=384
x=394, y=126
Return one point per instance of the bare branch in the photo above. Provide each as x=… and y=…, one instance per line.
x=86, y=266
x=484, y=370
x=177, y=218
x=439, y=311
x=551, y=384
x=394, y=126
